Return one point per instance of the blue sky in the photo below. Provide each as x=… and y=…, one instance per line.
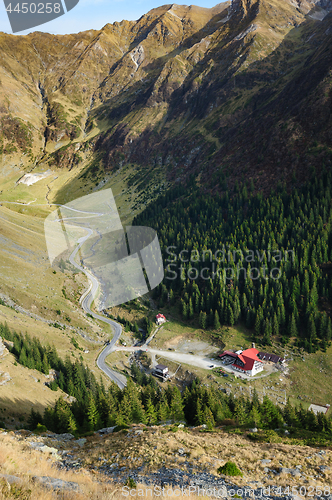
x=94, y=14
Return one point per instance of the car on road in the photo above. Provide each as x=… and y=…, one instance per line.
x=211, y=366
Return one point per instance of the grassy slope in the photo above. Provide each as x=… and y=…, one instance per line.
x=18, y=459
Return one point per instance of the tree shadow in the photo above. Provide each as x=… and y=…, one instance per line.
x=14, y=412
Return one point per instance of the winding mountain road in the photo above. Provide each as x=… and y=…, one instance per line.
x=86, y=301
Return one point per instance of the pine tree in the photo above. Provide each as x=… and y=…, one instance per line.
x=328, y=330
x=254, y=417
x=239, y=412
x=176, y=407
x=92, y=414
x=292, y=330
x=216, y=320
x=202, y=320
x=275, y=326
x=150, y=413
x=190, y=309
x=208, y=418
x=163, y=411
x=258, y=325
x=184, y=309
x=199, y=417
x=230, y=315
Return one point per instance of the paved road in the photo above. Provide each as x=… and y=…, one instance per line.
x=86, y=301
x=179, y=357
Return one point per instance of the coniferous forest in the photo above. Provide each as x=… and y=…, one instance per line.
x=262, y=261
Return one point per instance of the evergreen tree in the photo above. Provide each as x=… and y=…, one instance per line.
x=216, y=320
x=150, y=413
x=202, y=320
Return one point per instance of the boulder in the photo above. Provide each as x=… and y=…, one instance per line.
x=66, y=436
x=56, y=484
x=106, y=430
x=45, y=449
x=11, y=479
x=81, y=442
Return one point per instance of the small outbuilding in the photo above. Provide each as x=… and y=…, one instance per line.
x=161, y=371
x=319, y=408
x=160, y=319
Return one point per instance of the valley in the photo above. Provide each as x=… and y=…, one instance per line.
x=213, y=128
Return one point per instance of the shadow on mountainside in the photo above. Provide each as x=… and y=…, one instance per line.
x=270, y=123
x=14, y=412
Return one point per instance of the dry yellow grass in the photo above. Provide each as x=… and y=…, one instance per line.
x=26, y=389
x=155, y=447
x=18, y=460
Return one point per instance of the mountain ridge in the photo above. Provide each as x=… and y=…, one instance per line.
x=183, y=83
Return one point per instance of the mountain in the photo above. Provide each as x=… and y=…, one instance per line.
x=239, y=91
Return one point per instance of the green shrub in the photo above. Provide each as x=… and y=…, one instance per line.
x=130, y=482
x=230, y=469
x=40, y=428
x=268, y=436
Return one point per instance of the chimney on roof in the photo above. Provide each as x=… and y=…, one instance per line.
x=253, y=345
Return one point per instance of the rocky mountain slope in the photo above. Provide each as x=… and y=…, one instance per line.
x=242, y=90
x=155, y=457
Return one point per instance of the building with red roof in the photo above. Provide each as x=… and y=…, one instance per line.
x=160, y=318
x=244, y=361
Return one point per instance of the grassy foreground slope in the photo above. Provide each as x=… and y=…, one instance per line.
x=155, y=448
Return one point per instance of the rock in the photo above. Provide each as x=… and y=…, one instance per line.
x=6, y=378
x=66, y=436
x=106, y=430
x=11, y=479
x=181, y=451
x=3, y=348
x=81, y=442
x=45, y=449
x=285, y=470
x=266, y=469
x=324, y=467
x=266, y=461
x=254, y=429
x=286, y=432
x=180, y=426
x=139, y=432
x=56, y=484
